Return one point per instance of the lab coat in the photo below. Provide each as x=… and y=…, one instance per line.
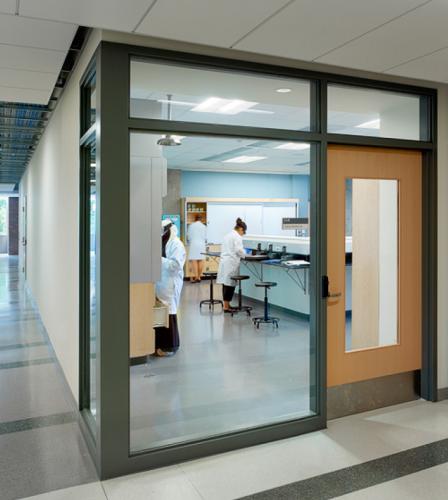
x=196, y=235
x=169, y=288
x=232, y=251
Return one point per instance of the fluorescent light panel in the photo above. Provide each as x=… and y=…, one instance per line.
x=6, y=188
x=373, y=124
x=296, y=146
x=244, y=159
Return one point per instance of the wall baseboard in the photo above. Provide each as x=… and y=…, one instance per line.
x=442, y=394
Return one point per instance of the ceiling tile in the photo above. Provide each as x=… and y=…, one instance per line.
x=307, y=29
x=205, y=21
x=8, y=6
x=109, y=14
x=30, y=96
x=433, y=67
x=416, y=34
x=46, y=61
x=27, y=79
x=16, y=30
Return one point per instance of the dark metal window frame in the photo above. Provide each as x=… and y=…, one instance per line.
x=88, y=137
x=113, y=128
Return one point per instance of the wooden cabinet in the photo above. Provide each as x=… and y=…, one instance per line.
x=145, y=313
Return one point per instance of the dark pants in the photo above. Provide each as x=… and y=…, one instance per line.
x=167, y=339
x=227, y=292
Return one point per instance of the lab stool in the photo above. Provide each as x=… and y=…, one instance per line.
x=211, y=301
x=240, y=308
x=267, y=285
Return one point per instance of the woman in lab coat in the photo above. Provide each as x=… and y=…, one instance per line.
x=169, y=288
x=196, y=237
x=232, y=251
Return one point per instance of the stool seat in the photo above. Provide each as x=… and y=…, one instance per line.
x=240, y=277
x=266, y=284
x=210, y=274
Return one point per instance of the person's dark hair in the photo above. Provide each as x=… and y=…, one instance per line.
x=241, y=224
x=197, y=217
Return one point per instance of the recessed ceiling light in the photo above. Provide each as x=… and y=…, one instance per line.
x=375, y=124
x=223, y=106
x=244, y=159
x=283, y=90
x=293, y=146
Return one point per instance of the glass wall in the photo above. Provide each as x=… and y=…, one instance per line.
x=173, y=92
x=92, y=217
x=197, y=370
x=89, y=237
x=370, y=112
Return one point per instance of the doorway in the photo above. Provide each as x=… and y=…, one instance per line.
x=374, y=305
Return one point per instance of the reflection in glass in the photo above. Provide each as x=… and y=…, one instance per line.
x=212, y=96
x=372, y=277
x=227, y=375
x=92, y=277
x=375, y=113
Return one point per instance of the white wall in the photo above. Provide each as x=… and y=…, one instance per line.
x=51, y=185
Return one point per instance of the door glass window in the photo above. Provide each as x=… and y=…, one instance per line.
x=372, y=263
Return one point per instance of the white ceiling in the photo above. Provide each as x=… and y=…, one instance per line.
x=32, y=52
x=201, y=153
x=400, y=37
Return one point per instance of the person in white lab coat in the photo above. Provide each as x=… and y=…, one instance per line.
x=169, y=288
x=196, y=237
x=232, y=251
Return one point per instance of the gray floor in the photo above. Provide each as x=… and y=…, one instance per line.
x=41, y=445
x=226, y=376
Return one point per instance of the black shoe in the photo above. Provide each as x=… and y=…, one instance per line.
x=231, y=310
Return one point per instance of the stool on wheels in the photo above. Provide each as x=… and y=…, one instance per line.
x=210, y=301
x=267, y=285
x=240, y=308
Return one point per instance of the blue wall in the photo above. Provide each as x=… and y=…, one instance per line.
x=233, y=185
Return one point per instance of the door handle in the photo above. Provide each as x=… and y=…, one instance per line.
x=326, y=289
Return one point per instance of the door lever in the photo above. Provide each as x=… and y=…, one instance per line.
x=326, y=289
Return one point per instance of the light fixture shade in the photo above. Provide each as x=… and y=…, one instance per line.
x=168, y=140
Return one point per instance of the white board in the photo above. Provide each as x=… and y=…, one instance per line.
x=265, y=219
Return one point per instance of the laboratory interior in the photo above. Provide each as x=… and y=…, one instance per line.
x=221, y=281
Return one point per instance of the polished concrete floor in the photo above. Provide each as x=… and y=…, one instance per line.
x=227, y=375
x=41, y=447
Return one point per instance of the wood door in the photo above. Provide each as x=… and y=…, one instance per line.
x=374, y=325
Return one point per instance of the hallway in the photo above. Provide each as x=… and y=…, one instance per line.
x=41, y=445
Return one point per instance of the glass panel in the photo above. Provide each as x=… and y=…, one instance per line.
x=358, y=111
x=3, y=214
x=202, y=372
x=189, y=94
x=372, y=272
x=92, y=214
